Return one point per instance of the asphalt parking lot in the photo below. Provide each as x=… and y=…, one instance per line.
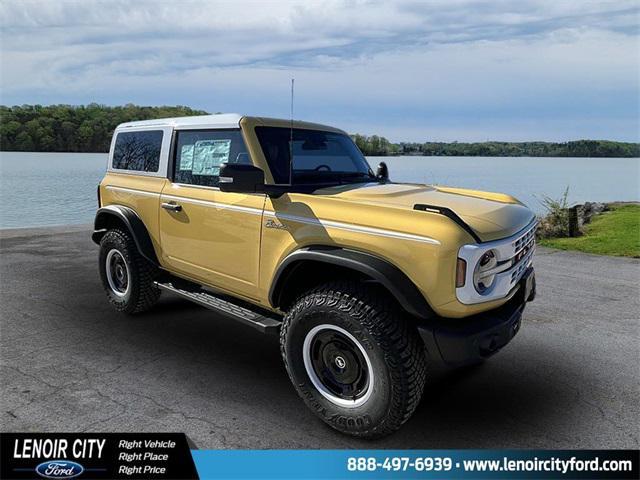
x=570, y=379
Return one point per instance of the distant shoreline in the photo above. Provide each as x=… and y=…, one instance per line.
x=417, y=154
x=375, y=145
x=89, y=128
x=395, y=155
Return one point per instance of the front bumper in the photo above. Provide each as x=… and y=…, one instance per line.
x=468, y=340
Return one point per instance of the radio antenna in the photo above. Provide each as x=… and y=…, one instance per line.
x=291, y=138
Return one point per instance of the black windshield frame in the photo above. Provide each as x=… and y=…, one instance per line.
x=319, y=157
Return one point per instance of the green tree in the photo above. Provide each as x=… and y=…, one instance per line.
x=67, y=128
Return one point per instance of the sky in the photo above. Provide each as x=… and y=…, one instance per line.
x=410, y=70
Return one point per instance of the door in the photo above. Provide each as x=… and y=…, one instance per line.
x=207, y=235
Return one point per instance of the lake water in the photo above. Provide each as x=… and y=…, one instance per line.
x=40, y=189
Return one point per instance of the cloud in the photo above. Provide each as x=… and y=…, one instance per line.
x=490, y=69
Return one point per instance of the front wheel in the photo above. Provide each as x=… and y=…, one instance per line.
x=354, y=359
x=127, y=277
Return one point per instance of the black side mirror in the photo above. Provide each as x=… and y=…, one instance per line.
x=383, y=172
x=240, y=178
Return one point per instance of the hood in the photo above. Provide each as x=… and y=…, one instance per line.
x=491, y=216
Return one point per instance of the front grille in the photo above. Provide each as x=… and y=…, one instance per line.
x=520, y=268
x=523, y=249
x=526, y=239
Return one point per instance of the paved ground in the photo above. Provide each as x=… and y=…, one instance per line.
x=570, y=379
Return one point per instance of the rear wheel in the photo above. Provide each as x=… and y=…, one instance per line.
x=354, y=359
x=127, y=277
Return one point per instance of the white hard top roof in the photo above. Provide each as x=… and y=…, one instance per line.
x=219, y=120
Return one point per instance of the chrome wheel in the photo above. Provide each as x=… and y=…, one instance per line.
x=117, y=272
x=338, y=365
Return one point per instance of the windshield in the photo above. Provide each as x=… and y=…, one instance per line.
x=318, y=157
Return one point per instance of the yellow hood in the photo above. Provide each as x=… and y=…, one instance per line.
x=490, y=215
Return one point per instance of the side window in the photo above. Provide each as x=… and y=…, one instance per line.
x=138, y=151
x=199, y=154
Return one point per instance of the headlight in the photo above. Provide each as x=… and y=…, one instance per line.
x=484, y=273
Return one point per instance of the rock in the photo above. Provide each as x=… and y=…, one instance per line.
x=588, y=210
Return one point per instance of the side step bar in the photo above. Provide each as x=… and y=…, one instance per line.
x=249, y=315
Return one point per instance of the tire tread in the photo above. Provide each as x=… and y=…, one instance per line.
x=145, y=294
x=381, y=316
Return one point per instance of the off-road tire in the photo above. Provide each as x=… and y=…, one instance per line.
x=142, y=293
x=392, y=344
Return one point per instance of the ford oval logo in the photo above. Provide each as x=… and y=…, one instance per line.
x=59, y=469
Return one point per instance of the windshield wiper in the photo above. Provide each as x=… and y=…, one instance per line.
x=333, y=178
x=355, y=174
x=359, y=175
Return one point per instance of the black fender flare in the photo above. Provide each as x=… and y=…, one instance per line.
x=132, y=222
x=383, y=272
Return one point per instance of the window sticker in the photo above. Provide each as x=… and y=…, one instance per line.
x=208, y=155
x=186, y=157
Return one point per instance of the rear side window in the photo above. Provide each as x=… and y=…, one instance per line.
x=139, y=151
x=200, y=153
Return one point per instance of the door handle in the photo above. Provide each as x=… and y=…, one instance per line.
x=172, y=207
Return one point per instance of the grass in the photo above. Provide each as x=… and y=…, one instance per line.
x=616, y=232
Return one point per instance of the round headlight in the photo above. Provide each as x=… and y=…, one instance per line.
x=482, y=276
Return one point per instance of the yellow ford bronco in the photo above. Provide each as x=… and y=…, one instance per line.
x=285, y=227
